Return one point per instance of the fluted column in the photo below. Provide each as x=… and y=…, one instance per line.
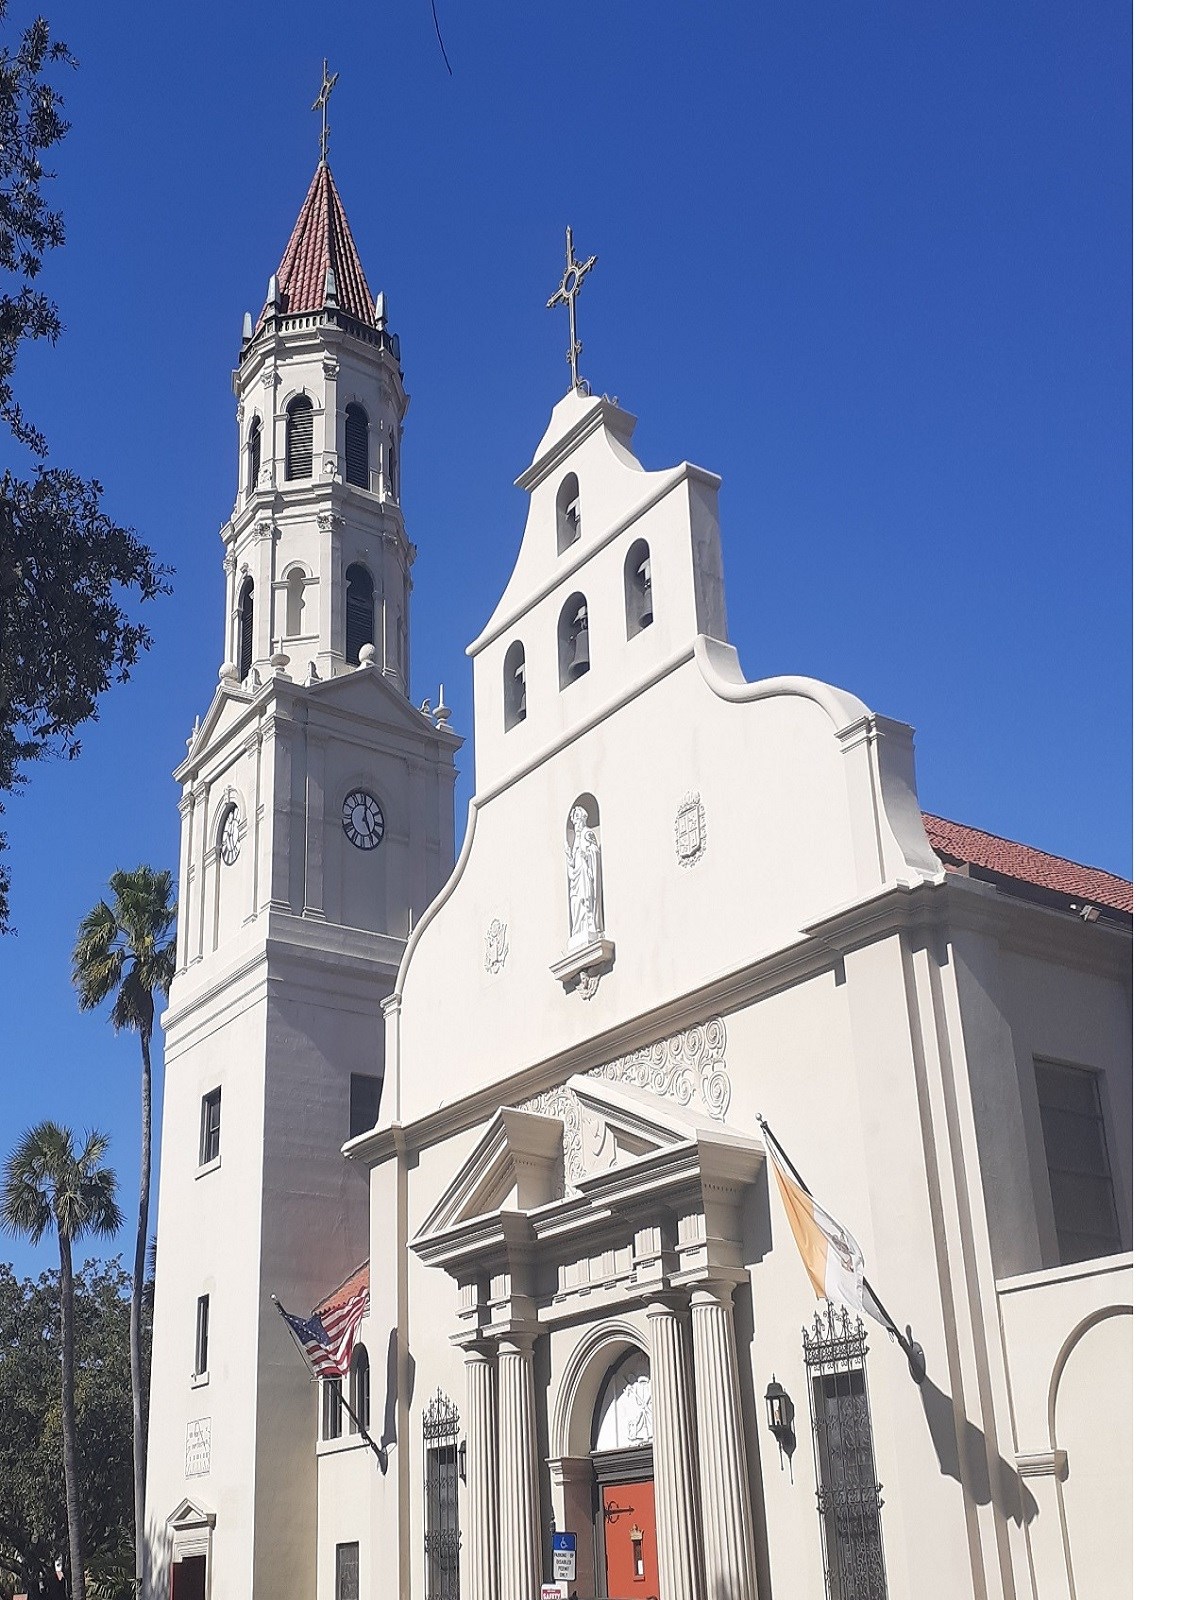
x=724, y=1481
x=674, y=1458
x=520, y=1521
x=479, y=1566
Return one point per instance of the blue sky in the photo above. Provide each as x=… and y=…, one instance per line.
x=871, y=263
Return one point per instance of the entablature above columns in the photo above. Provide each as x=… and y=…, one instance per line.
x=526, y=1255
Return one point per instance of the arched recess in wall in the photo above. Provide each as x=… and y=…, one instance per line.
x=245, y=628
x=574, y=652
x=639, y=598
x=1091, y=1420
x=590, y=1364
x=514, y=684
x=298, y=449
x=360, y=611
x=567, y=512
x=294, y=602
x=358, y=434
x=585, y=873
x=253, y=453
x=360, y=1387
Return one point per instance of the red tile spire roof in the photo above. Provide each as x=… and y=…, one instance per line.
x=956, y=845
x=322, y=239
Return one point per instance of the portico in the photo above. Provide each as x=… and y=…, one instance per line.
x=606, y=1300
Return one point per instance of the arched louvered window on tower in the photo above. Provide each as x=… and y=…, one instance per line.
x=245, y=628
x=253, y=454
x=360, y=611
x=299, y=450
x=358, y=470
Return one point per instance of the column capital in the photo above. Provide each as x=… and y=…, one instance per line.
x=715, y=1292
x=570, y=1469
x=665, y=1303
x=516, y=1342
x=479, y=1350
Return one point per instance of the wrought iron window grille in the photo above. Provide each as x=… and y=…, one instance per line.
x=443, y=1535
x=849, y=1495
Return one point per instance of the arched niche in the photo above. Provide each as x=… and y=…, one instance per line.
x=574, y=651
x=639, y=597
x=514, y=684
x=567, y=518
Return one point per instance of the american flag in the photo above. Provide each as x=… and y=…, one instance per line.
x=327, y=1335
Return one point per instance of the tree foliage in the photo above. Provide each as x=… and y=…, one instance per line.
x=33, y=1517
x=125, y=952
x=68, y=573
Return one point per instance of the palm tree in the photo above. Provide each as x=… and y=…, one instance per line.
x=123, y=950
x=46, y=1184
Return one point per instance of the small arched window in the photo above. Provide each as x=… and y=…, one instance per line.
x=514, y=684
x=253, y=454
x=392, y=467
x=245, y=654
x=360, y=1388
x=568, y=512
x=295, y=603
x=299, y=449
x=574, y=658
x=360, y=611
x=639, y=600
x=358, y=471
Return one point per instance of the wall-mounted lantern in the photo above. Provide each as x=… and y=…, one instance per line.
x=780, y=1415
x=462, y=1460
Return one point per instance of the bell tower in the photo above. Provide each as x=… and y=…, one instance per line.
x=317, y=811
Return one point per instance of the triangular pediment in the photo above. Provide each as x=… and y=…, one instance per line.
x=191, y=1514
x=371, y=695
x=226, y=710
x=534, y=1154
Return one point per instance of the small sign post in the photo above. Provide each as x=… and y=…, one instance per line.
x=563, y=1551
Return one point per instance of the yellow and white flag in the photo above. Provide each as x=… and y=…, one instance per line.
x=829, y=1252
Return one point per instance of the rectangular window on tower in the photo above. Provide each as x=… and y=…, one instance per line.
x=210, y=1127
x=1081, y=1184
x=200, y=1370
x=365, y=1094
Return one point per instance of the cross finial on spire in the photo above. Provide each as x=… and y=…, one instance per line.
x=321, y=104
x=565, y=295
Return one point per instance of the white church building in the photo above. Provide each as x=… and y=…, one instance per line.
x=516, y=1091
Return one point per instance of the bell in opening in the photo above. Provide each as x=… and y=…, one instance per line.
x=514, y=684
x=568, y=512
x=639, y=599
x=360, y=611
x=574, y=658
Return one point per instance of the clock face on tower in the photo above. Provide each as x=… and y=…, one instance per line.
x=362, y=819
x=230, y=843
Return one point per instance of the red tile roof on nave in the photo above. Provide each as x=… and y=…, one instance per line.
x=322, y=239
x=954, y=843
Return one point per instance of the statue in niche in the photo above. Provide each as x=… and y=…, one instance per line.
x=583, y=880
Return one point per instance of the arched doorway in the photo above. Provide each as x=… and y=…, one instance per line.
x=626, y=1535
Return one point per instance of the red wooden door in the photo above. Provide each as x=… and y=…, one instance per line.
x=630, y=1540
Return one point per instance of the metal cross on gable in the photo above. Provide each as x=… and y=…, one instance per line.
x=565, y=294
x=321, y=104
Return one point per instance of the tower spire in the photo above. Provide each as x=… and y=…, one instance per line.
x=321, y=104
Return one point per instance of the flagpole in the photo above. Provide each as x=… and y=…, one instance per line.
x=912, y=1350
x=380, y=1452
